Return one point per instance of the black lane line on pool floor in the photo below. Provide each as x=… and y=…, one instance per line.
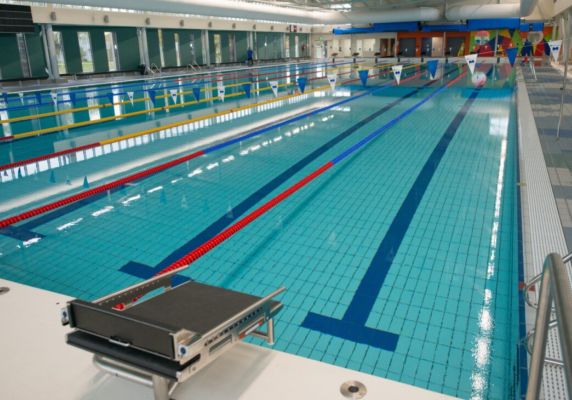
x=144, y=271
x=352, y=325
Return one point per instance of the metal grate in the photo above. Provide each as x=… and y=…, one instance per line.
x=541, y=223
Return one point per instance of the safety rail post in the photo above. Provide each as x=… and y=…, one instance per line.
x=555, y=285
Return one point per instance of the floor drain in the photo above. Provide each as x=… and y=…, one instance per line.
x=353, y=390
x=4, y=290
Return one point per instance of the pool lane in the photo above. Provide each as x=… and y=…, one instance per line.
x=96, y=192
x=120, y=125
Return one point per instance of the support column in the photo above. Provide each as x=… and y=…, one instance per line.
x=566, y=54
x=50, y=51
x=143, y=47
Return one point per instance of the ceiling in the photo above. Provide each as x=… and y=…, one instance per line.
x=364, y=5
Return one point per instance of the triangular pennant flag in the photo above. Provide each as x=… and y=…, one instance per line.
x=332, y=79
x=397, y=72
x=73, y=98
x=85, y=182
x=555, y=46
x=220, y=92
x=130, y=97
x=21, y=97
x=54, y=97
x=246, y=87
x=274, y=86
x=511, y=54
x=110, y=98
x=471, y=60
x=38, y=98
x=173, y=93
x=432, y=68
x=5, y=97
x=302, y=83
x=197, y=93
x=151, y=96
x=363, y=75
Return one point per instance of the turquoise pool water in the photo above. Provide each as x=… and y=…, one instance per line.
x=413, y=236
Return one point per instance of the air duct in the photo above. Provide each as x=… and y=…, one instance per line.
x=484, y=11
x=265, y=12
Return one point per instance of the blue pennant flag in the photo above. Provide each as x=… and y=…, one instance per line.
x=5, y=97
x=151, y=95
x=38, y=98
x=432, y=67
x=246, y=87
x=73, y=98
x=511, y=54
x=110, y=97
x=363, y=75
x=302, y=83
x=197, y=93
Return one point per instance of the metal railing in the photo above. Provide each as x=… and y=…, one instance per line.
x=193, y=67
x=554, y=285
x=154, y=69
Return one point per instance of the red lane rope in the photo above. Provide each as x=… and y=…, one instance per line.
x=100, y=189
x=233, y=229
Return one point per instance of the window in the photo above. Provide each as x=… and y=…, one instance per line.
x=112, y=51
x=218, y=49
x=296, y=48
x=177, y=50
x=60, y=55
x=161, y=54
x=85, y=52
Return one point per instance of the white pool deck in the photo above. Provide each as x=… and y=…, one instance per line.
x=36, y=363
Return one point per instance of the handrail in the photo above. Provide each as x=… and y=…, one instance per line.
x=527, y=288
x=555, y=286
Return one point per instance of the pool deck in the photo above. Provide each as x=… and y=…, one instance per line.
x=545, y=96
x=37, y=364
x=541, y=211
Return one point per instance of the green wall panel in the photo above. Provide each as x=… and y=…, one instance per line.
x=36, y=55
x=169, y=52
x=10, y=60
x=71, y=49
x=128, y=48
x=185, y=47
x=241, y=41
x=153, y=46
x=198, y=46
x=98, y=50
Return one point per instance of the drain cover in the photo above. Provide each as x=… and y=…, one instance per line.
x=4, y=290
x=353, y=390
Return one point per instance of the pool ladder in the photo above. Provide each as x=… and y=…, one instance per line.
x=554, y=284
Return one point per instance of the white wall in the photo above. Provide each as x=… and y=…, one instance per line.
x=86, y=17
x=349, y=43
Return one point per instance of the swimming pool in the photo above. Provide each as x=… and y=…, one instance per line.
x=400, y=259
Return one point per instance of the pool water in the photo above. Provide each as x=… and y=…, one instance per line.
x=401, y=260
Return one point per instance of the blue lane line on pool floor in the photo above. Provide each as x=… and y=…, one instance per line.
x=144, y=272
x=26, y=229
x=352, y=325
